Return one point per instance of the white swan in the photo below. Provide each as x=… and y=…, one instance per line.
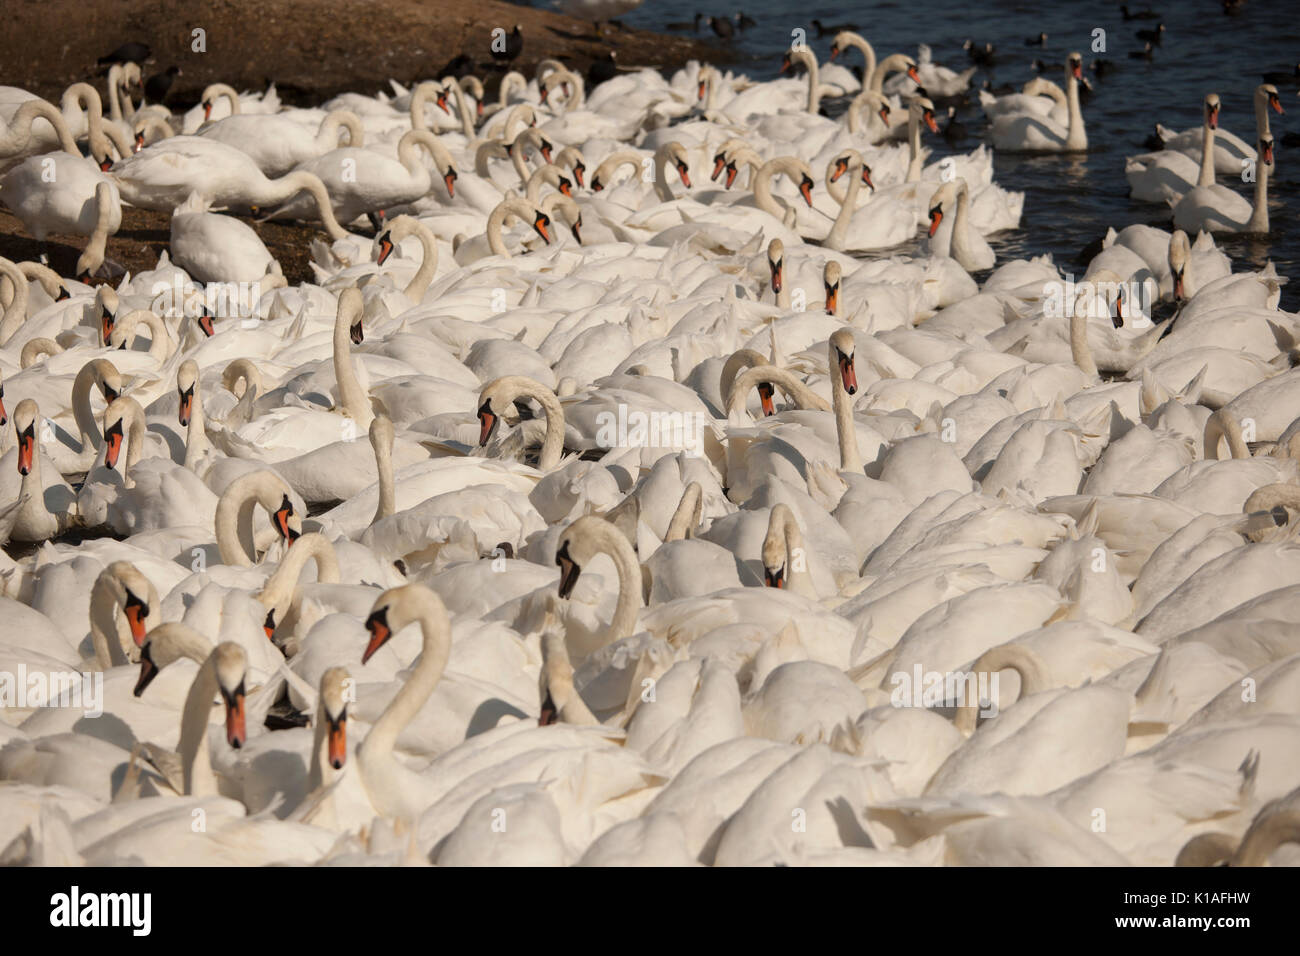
x=1030, y=132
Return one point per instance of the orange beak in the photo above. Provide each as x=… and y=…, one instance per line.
x=835, y=50
x=765, y=398
x=832, y=299
x=866, y=179
x=268, y=626
x=106, y=323
x=700, y=94
x=385, y=250
x=1178, y=285
x=236, y=732
x=450, y=180
x=113, y=439
x=134, y=617
x=884, y=115
x=1276, y=103
x=778, y=275
x=207, y=110
x=929, y=121
x=282, y=523
x=848, y=374
x=377, y=625
x=1076, y=69
x=546, y=151
x=442, y=103
x=487, y=421
x=338, y=743
x=1213, y=118
x=731, y=174
x=139, y=142
x=936, y=217
x=578, y=171
x=187, y=404
x=566, y=187
x=1268, y=153
x=4, y=416
x=685, y=174
x=26, y=451
x=805, y=190
x=840, y=166
x=915, y=77
x=205, y=323
x=540, y=226
x=719, y=162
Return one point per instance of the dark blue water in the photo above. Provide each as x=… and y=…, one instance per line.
x=1069, y=201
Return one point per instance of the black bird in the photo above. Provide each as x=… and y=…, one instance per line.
x=159, y=85
x=1142, y=54
x=981, y=55
x=744, y=21
x=1154, y=142
x=722, y=27
x=514, y=45
x=954, y=131
x=1040, y=67
x=825, y=31
x=127, y=53
x=1233, y=7
x=1282, y=77
x=462, y=64
x=1140, y=15
x=606, y=68
x=1101, y=67
x=1152, y=36
x=1040, y=40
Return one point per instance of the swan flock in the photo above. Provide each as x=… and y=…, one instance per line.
x=655, y=473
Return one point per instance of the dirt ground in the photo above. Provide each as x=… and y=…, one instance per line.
x=311, y=49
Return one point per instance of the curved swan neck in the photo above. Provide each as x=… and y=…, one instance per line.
x=1266, y=835
x=417, y=605
x=1034, y=678
x=506, y=390
x=352, y=398
x=234, y=516
x=782, y=378
x=277, y=191
x=1223, y=425
x=687, y=516
x=16, y=313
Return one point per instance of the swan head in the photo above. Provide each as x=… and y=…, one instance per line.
x=926, y=107
x=578, y=546
x=116, y=426
x=398, y=607
x=1212, y=105
x=1180, y=250
x=494, y=398
x=806, y=187
x=1074, y=65
x=679, y=157
x=1269, y=92
x=384, y=243
x=187, y=379
x=334, y=691
x=841, y=350
x=287, y=521
x=130, y=590
x=25, y=416
x=776, y=263
x=231, y=665
x=942, y=197
x=1265, y=146
x=4, y=416
x=380, y=631
x=774, y=575
x=831, y=280
x=572, y=157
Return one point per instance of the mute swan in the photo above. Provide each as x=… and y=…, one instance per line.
x=1029, y=132
x=579, y=545
x=393, y=789
x=234, y=516
x=1219, y=209
x=216, y=248
x=499, y=394
x=1166, y=176
x=958, y=240
x=164, y=175
x=277, y=143
x=878, y=224
x=45, y=509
